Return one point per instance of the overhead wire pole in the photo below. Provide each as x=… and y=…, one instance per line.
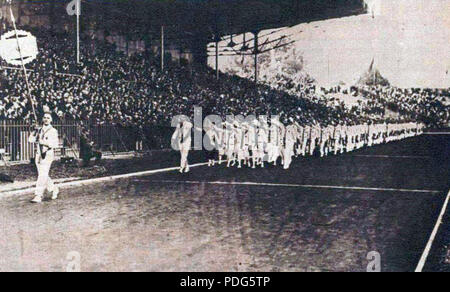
x=2, y=15
x=162, y=48
x=74, y=8
x=217, y=57
x=30, y=98
x=243, y=52
x=256, y=55
x=78, y=30
x=255, y=51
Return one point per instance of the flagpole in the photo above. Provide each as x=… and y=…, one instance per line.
x=162, y=48
x=78, y=30
x=23, y=64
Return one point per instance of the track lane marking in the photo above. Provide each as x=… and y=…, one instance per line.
x=437, y=133
x=429, y=245
x=98, y=180
x=392, y=156
x=299, y=186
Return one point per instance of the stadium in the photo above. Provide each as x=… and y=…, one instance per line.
x=225, y=136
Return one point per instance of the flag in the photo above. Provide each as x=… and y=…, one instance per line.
x=74, y=8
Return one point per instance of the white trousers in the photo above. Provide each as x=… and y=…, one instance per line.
x=288, y=153
x=44, y=181
x=274, y=152
x=184, y=150
x=312, y=146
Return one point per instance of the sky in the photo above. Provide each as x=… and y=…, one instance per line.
x=409, y=40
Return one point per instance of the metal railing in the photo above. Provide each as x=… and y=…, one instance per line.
x=106, y=137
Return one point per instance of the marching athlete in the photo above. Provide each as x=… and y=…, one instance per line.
x=316, y=132
x=230, y=138
x=306, y=140
x=263, y=141
x=182, y=137
x=239, y=147
x=253, y=142
x=289, y=151
x=211, y=139
x=274, y=146
x=221, y=142
x=46, y=140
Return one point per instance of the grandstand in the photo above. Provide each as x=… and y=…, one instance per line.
x=134, y=211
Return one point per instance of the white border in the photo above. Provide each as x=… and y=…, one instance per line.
x=427, y=250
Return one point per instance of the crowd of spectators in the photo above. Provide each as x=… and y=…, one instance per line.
x=112, y=87
x=430, y=106
x=132, y=90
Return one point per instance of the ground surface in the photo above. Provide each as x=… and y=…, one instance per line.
x=321, y=215
x=113, y=165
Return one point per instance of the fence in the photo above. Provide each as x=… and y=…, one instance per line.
x=106, y=137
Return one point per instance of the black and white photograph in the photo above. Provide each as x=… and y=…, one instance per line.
x=227, y=141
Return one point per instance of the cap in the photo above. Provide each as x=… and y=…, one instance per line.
x=46, y=110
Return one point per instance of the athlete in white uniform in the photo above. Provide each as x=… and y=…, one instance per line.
x=306, y=140
x=298, y=139
x=183, y=138
x=274, y=144
x=263, y=141
x=315, y=138
x=230, y=136
x=253, y=142
x=46, y=140
x=221, y=139
x=337, y=139
x=289, y=145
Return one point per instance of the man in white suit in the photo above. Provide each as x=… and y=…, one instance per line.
x=46, y=140
x=182, y=138
x=289, y=151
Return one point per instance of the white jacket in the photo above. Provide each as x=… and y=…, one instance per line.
x=48, y=136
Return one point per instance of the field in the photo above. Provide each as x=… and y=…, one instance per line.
x=321, y=215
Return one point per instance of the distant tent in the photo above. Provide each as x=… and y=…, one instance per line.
x=373, y=77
